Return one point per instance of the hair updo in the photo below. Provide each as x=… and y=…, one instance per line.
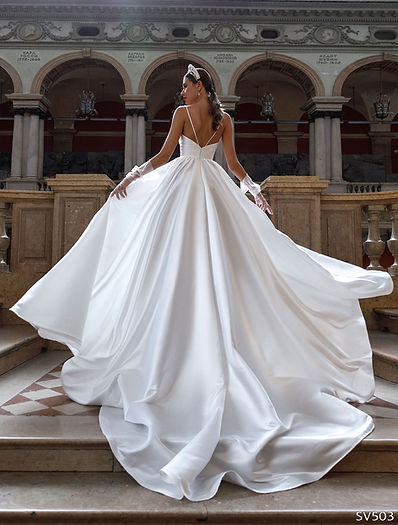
x=214, y=103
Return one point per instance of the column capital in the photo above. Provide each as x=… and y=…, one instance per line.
x=29, y=101
x=329, y=105
x=134, y=101
x=136, y=111
x=228, y=103
x=323, y=114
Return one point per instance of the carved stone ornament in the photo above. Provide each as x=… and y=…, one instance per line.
x=225, y=33
x=136, y=32
x=327, y=35
x=29, y=31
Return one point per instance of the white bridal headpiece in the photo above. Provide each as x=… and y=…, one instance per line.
x=193, y=71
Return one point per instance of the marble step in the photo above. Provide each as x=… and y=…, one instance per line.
x=102, y=498
x=387, y=319
x=385, y=354
x=18, y=343
x=76, y=443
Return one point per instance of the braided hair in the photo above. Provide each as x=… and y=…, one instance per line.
x=214, y=103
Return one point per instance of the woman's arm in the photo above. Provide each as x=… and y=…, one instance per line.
x=171, y=141
x=229, y=149
x=169, y=145
x=238, y=170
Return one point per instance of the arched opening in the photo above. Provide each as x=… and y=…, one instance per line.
x=84, y=145
x=368, y=142
x=277, y=144
x=6, y=124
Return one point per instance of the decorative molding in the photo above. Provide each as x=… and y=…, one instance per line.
x=321, y=33
x=306, y=12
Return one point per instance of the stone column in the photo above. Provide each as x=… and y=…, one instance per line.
x=26, y=132
x=135, y=141
x=28, y=140
x=32, y=166
x=17, y=145
x=41, y=146
x=312, y=147
x=128, y=142
x=335, y=153
x=325, y=139
x=141, y=136
x=320, y=147
x=135, y=133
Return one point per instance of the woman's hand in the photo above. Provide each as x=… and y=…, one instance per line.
x=263, y=204
x=121, y=187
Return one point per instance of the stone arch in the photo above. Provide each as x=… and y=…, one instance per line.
x=14, y=75
x=342, y=77
x=319, y=88
x=175, y=56
x=55, y=62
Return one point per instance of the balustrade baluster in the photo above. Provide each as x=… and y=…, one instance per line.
x=392, y=243
x=4, y=239
x=374, y=246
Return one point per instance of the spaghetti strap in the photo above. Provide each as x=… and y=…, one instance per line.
x=193, y=127
x=211, y=137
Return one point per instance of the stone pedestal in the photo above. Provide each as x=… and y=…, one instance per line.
x=381, y=144
x=295, y=202
x=63, y=138
x=77, y=197
x=287, y=141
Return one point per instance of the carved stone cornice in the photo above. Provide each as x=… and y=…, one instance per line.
x=305, y=12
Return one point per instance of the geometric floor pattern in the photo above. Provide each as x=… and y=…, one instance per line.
x=46, y=397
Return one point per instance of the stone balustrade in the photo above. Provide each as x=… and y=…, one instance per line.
x=38, y=227
x=45, y=224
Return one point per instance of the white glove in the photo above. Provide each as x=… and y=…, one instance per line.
x=247, y=184
x=135, y=173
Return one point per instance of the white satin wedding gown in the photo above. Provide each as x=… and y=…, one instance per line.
x=217, y=347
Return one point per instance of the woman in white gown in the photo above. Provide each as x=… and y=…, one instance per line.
x=217, y=347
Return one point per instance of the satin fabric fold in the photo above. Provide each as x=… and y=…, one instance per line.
x=217, y=347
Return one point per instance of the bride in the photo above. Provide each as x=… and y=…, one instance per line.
x=217, y=347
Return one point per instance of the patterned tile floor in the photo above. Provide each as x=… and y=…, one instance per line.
x=46, y=397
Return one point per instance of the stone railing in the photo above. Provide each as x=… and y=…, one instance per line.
x=342, y=225
x=336, y=224
x=38, y=227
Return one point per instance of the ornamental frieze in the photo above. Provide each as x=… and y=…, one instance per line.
x=308, y=35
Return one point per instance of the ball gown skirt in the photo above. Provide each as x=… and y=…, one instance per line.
x=217, y=347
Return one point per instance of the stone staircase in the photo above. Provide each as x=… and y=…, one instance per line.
x=18, y=343
x=385, y=344
x=60, y=470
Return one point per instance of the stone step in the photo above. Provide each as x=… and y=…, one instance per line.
x=18, y=343
x=76, y=443
x=102, y=498
x=385, y=354
x=387, y=319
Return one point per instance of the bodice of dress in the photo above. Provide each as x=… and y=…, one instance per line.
x=188, y=147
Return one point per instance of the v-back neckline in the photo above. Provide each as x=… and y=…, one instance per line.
x=194, y=130
x=201, y=147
